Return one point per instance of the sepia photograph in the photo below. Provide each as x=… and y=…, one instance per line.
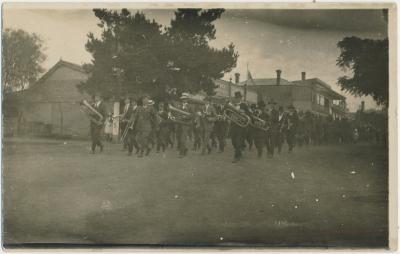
x=222, y=125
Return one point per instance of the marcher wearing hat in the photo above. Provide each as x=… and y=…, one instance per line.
x=292, y=123
x=272, y=134
x=125, y=116
x=282, y=127
x=131, y=136
x=260, y=136
x=208, y=118
x=237, y=133
x=182, y=131
x=220, y=128
x=144, y=122
x=96, y=129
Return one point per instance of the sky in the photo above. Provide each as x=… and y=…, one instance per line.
x=266, y=40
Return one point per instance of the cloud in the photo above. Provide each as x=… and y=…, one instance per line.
x=343, y=20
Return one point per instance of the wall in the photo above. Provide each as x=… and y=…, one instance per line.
x=56, y=102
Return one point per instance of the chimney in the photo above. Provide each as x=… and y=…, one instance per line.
x=237, y=78
x=362, y=106
x=303, y=76
x=278, y=77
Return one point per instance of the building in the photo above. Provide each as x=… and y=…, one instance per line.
x=50, y=107
x=305, y=94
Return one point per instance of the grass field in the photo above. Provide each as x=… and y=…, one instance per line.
x=56, y=192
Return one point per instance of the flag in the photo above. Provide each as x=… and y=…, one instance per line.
x=249, y=77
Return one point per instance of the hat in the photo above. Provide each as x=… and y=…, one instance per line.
x=151, y=102
x=238, y=94
x=185, y=96
x=261, y=104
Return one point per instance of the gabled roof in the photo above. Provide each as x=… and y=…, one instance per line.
x=60, y=63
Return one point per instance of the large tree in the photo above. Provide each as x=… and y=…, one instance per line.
x=128, y=56
x=368, y=60
x=22, y=59
x=134, y=55
x=197, y=63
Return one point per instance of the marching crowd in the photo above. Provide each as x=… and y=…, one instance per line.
x=148, y=126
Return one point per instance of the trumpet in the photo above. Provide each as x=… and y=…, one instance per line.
x=179, y=116
x=91, y=112
x=236, y=116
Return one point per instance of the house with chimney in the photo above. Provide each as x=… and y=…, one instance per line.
x=312, y=95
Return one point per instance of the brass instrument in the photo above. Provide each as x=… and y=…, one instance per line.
x=259, y=123
x=236, y=116
x=91, y=112
x=129, y=126
x=179, y=116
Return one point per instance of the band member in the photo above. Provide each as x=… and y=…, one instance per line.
x=282, y=125
x=207, y=125
x=237, y=132
x=292, y=123
x=124, y=118
x=182, y=131
x=130, y=119
x=143, y=125
x=96, y=128
x=197, y=130
x=259, y=135
x=220, y=128
x=108, y=125
x=163, y=127
x=272, y=133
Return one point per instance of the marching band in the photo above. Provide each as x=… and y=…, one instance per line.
x=145, y=125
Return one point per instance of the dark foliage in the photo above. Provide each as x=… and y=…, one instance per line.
x=133, y=55
x=368, y=60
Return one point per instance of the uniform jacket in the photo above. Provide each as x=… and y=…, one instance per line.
x=144, y=118
x=101, y=108
x=208, y=118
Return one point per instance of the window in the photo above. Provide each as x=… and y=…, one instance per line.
x=320, y=100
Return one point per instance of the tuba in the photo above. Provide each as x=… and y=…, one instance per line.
x=259, y=123
x=91, y=112
x=179, y=116
x=236, y=116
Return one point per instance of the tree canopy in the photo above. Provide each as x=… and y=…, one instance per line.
x=368, y=60
x=22, y=59
x=135, y=55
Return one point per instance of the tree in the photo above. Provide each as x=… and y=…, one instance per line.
x=369, y=62
x=197, y=63
x=133, y=54
x=22, y=59
x=129, y=56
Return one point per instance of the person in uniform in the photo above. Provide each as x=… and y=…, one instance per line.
x=144, y=119
x=259, y=135
x=282, y=126
x=162, y=127
x=292, y=124
x=182, y=130
x=96, y=128
x=208, y=118
x=124, y=119
x=220, y=128
x=130, y=119
x=237, y=133
x=272, y=133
